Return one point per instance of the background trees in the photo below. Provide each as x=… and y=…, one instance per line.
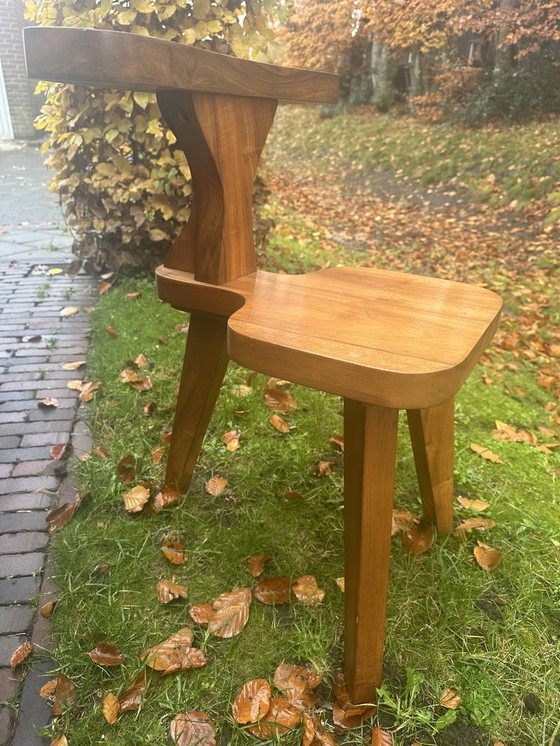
x=124, y=188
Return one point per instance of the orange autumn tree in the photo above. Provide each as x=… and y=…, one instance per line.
x=124, y=187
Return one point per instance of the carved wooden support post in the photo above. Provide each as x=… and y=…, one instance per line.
x=222, y=137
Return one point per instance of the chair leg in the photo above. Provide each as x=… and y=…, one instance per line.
x=370, y=437
x=204, y=368
x=432, y=435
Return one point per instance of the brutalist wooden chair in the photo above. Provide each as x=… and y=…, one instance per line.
x=382, y=340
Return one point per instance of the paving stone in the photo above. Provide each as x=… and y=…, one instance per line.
x=6, y=470
x=35, y=711
x=44, y=414
x=17, y=565
x=27, y=484
x=45, y=439
x=26, y=386
x=25, y=541
x=26, y=501
x=50, y=467
x=10, y=441
x=7, y=720
x=16, y=618
x=9, y=684
x=29, y=428
x=6, y=417
x=8, y=644
x=16, y=455
x=23, y=520
x=13, y=590
x=17, y=406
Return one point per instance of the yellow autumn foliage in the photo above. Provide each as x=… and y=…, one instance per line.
x=124, y=188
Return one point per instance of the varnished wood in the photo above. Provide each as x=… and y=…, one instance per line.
x=432, y=435
x=204, y=368
x=222, y=137
x=382, y=340
x=118, y=59
x=385, y=338
x=370, y=441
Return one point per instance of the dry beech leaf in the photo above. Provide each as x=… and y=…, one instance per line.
x=272, y=591
x=280, y=401
x=167, y=590
x=338, y=440
x=215, y=485
x=131, y=698
x=104, y=286
x=112, y=332
x=451, y=699
x=252, y=702
x=132, y=296
x=305, y=589
x=201, y=614
x=487, y=557
x=478, y=505
x=402, y=519
x=60, y=450
x=476, y=522
x=175, y=552
x=241, y=390
x=48, y=689
x=175, y=654
x=65, y=694
x=20, y=654
x=486, y=453
x=182, y=327
x=73, y=365
x=345, y=713
x=281, y=716
x=149, y=408
x=158, y=453
x=231, y=440
x=88, y=390
x=280, y=424
x=324, y=469
x=129, y=376
x=293, y=496
x=69, y=311
x=255, y=564
x=418, y=537
x=126, y=468
x=381, y=738
x=297, y=684
x=62, y=515
x=111, y=708
x=101, y=451
x=75, y=384
x=230, y=613
x=140, y=361
x=136, y=498
x=193, y=729
x=46, y=610
x=49, y=401
x=315, y=733
x=106, y=654
x=144, y=384
x=60, y=741
x=340, y=583
x=166, y=498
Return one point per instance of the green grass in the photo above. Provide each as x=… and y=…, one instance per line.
x=107, y=562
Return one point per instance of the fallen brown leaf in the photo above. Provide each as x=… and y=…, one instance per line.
x=131, y=698
x=46, y=610
x=381, y=738
x=418, y=537
x=106, y=654
x=69, y=311
x=60, y=741
x=230, y=613
x=175, y=552
x=143, y=384
x=111, y=708
x=281, y=716
x=49, y=401
x=20, y=654
x=476, y=522
x=175, y=654
x=193, y=729
x=305, y=589
x=340, y=583
x=324, y=469
x=279, y=423
x=451, y=699
x=112, y=332
x=101, y=451
x=315, y=733
x=486, y=453
x=487, y=557
x=297, y=684
x=293, y=496
x=252, y=702
x=64, y=695
x=166, y=498
x=255, y=564
x=201, y=614
x=273, y=590
x=280, y=401
x=167, y=590
x=345, y=713
x=215, y=485
x=73, y=365
x=231, y=440
x=478, y=505
x=48, y=689
x=126, y=468
x=338, y=440
x=135, y=499
x=104, y=286
x=61, y=516
x=402, y=519
x=60, y=450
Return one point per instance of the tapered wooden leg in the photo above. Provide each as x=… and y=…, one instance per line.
x=204, y=367
x=432, y=435
x=370, y=437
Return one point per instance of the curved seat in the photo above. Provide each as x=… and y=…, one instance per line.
x=382, y=340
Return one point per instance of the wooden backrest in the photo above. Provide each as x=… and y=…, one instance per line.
x=220, y=108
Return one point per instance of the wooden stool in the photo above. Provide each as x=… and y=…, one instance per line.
x=382, y=340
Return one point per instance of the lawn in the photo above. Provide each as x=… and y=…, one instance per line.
x=490, y=635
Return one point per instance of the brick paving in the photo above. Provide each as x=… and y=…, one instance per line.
x=35, y=341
